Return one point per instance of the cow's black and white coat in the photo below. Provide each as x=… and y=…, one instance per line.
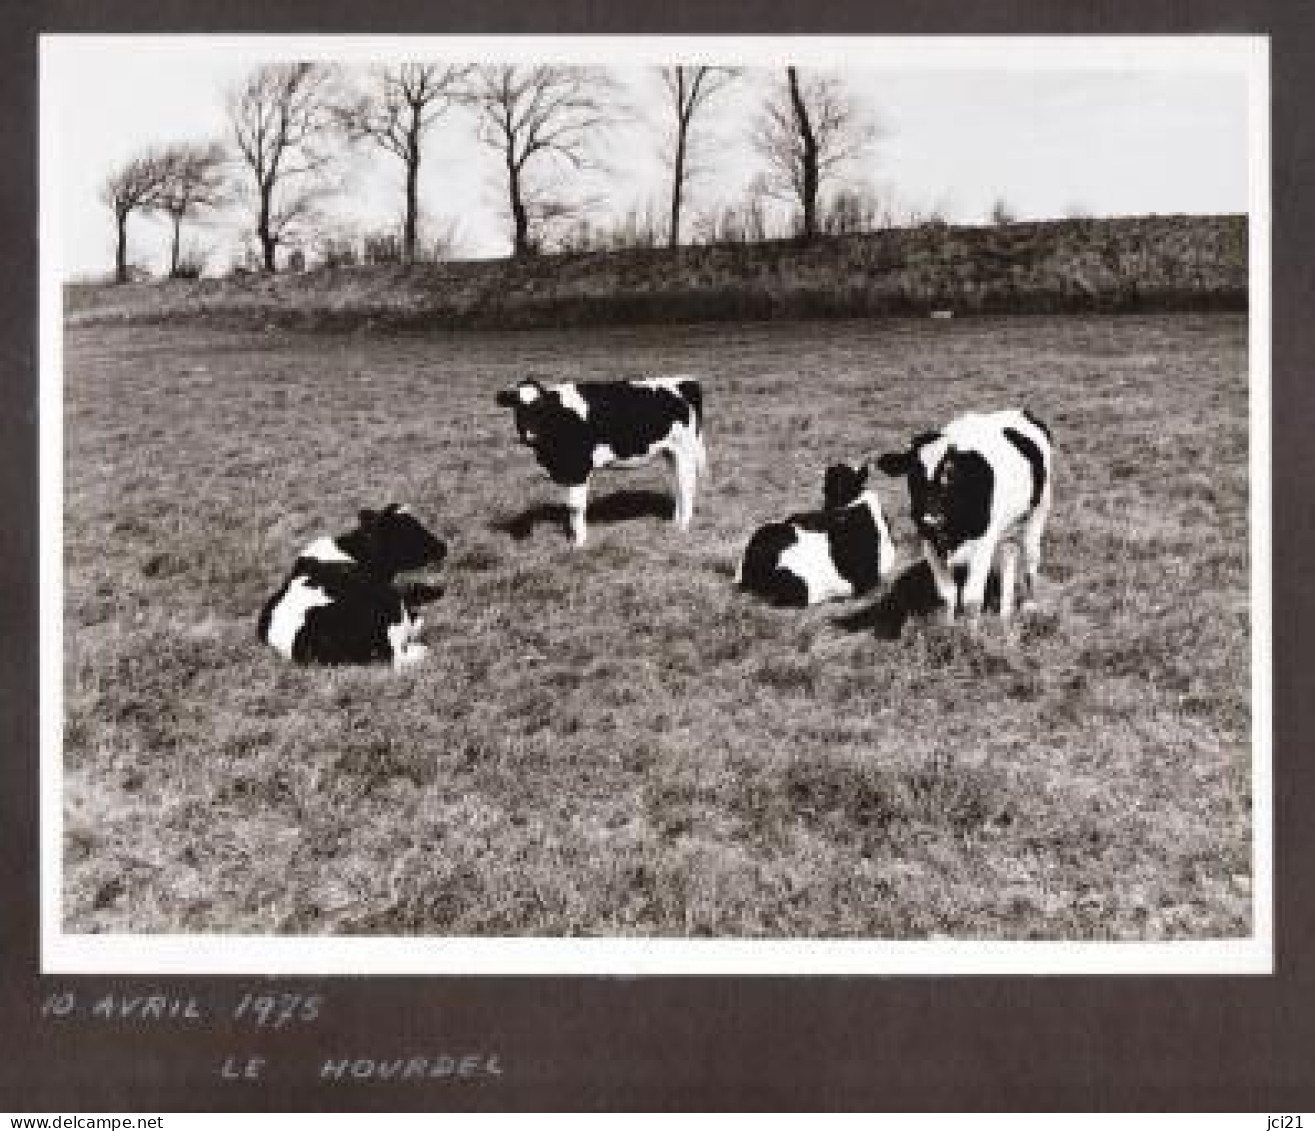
x=979, y=491
x=339, y=605
x=840, y=551
x=578, y=427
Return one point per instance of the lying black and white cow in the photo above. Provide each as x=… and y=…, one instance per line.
x=339, y=604
x=976, y=488
x=840, y=551
x=578, y=427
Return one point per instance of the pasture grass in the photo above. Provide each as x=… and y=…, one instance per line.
x=612, y=741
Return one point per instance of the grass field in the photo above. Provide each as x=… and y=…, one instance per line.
x=612, y=741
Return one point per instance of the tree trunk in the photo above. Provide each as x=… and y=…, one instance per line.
x=678, y=165
x=268, y=241
x=520, y=217
x=808, y=186
x=810, y=196
x=121, y=248
x=677, y=187
x=173, y=250
x=409, y=227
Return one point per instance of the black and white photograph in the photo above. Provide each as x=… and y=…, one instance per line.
x=621, y=505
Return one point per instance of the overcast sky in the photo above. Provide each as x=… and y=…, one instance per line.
x=1111, y=128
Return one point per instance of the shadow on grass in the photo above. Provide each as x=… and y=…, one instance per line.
x=912, y=594
x=620, y=506
x=420, y=592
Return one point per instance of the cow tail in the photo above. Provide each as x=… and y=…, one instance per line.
x=692, y=391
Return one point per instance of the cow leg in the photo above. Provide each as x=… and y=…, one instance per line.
x=577, y=498
x=686, y=482
x=1008, y=576
x=410, y=654
x=673, y=465
x=403, y=638
x=946, y=590
x=974, y=585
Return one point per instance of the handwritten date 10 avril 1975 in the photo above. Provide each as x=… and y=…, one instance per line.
x=258, y=1009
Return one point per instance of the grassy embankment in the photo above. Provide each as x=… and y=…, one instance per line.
x=1132, y=264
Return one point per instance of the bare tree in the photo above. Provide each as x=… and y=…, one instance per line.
x=745, y=220
x=446, y=242
x=810, y=131
x=855, y=209
x=539, y=120
x=282, y=121
x=640, y=227
x=194, y=178
x=1002, y=213
x=135, y=185
x=934, y=215
x=403, y=101
x=337, y=244
x=689, y=90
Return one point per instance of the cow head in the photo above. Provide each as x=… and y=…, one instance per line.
x=949, y=489
x=843, y=485
x=391, y=541
x=526, y=400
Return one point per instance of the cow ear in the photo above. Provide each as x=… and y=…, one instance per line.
x=833, y=486
x=506, y=398
x=895, y=463
x=367, y=517
x=393, y=508
x=948, y=466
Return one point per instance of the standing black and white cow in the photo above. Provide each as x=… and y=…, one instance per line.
x=976, y=488
x=840, y=551
x=578, y=427
x=339, y=604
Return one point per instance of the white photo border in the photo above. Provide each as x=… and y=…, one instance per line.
x=218, y=953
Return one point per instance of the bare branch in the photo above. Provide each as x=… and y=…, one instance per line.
x=138, y=184
x=541, y=120
x=688, y=90
x=194, y=177
x=282, y=121
x=810, y=131
x=401, y=102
